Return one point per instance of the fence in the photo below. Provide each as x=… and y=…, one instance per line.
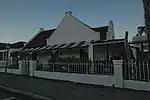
x=136, y=70
x=84, y=67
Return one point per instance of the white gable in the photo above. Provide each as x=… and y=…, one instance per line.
x=72, y=30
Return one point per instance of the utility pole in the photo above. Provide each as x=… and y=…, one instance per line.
x=146, y=6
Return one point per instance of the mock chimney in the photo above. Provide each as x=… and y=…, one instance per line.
x=68, y=13
x=41, y=29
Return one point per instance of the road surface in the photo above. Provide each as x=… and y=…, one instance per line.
x=9, y=96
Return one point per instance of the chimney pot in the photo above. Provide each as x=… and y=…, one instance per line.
x=68, y=13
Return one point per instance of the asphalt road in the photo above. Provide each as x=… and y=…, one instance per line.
x=4, y=95
x=8, y=96
x=61, y=90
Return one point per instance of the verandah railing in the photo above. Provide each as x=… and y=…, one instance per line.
x=136, y=70
x=81, y=67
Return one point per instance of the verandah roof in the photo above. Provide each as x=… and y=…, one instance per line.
x=113, y=41
x=73, y=45
x=60, y=46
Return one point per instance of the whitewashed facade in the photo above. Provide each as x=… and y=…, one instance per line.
x=72, y=30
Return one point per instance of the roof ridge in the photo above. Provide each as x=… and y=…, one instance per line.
x=100, y=26
x=48, y=30
x=82, y=22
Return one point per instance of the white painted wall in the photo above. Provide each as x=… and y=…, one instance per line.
x=78, y=78
x=106, y=80
x=2, y=69
x=71, y=52
x=118, y=79
x=14, y=71
x=44, y=56
x=91, y=52
x=3, y=63
x=72, y=30
x=137, y=85
x=32, y=67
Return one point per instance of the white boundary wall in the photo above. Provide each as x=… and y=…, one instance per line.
x=105, y=80
x=137, y=85
x=2, y=69
x=13, y=71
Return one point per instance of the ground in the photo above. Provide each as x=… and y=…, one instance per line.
x=5, y=95
x=61, y=90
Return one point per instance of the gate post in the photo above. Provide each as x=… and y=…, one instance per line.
x=91, y=56
x=118, y=75
x=21, y=66
x=32, y=67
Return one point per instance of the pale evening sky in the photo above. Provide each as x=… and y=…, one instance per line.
x=21, y=19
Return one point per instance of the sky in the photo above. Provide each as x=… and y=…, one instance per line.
x=20, y=20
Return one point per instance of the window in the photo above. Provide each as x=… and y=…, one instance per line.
x=5, y=55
